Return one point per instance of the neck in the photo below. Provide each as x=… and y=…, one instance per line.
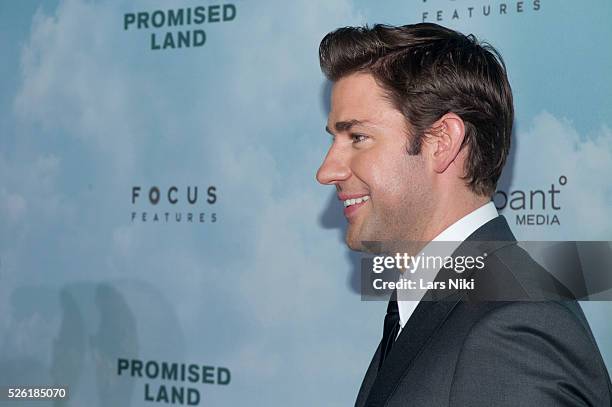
x=447, y=212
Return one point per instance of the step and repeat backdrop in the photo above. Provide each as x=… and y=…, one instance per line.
x=162, y=236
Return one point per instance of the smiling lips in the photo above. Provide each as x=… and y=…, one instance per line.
x=352, y=203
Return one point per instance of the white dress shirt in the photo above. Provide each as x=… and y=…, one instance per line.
x=456, y=233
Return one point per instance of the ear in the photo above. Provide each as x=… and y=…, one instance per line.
x=445, y=138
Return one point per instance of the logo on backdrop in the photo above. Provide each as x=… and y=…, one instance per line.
x=167, y=379
x=535, y=207
x=461, y=10
x=179, y=27
x=174, y=204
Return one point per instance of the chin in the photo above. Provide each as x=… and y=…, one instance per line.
x=358, y=244
x=353, y=244
x=353, y=238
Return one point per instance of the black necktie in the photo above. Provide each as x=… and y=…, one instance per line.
x=390, y=330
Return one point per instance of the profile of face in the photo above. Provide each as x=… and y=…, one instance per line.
x=386, y=191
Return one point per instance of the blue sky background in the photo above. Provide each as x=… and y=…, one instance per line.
x=87, y=111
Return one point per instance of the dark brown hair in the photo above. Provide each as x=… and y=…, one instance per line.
x=427, y=71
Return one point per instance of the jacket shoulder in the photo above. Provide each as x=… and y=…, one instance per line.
x=539, y=353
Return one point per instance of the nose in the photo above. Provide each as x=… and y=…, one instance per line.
x=334, y=168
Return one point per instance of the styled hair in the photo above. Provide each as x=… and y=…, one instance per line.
x=427, y=71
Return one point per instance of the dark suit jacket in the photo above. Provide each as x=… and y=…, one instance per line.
x=461, y=350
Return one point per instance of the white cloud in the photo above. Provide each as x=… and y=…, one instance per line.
x=13, y=206
x=74, y=82
x=552, y=147
x=29, y=194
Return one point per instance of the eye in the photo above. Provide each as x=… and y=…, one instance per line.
x=358, y=138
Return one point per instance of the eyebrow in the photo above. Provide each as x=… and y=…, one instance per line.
x=345, y=125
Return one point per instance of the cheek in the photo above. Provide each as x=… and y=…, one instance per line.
x=395, y=176
x=378, y=168
x=391, y=175
x=405, y=186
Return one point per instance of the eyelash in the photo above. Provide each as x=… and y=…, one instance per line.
x=358, y=138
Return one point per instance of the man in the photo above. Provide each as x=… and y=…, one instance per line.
x=421, y=118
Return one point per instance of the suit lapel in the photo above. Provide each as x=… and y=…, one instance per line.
x=424, y=321
x=368, y=380
x=428, y=317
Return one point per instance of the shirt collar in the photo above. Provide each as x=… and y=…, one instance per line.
x=457, y=232
x=460, y=230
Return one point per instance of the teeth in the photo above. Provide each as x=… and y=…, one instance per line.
x=350, y=202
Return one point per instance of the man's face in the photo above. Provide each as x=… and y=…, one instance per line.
x=368, y=161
